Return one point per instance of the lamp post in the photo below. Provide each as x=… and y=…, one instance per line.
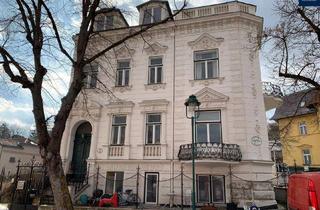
x=192, y=104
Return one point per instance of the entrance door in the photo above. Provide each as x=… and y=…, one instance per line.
x=151, y=188
x=81, y=151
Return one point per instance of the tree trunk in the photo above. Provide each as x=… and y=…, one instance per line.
x=59, y=185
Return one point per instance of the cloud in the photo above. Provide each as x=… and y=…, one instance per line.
x=16, y=114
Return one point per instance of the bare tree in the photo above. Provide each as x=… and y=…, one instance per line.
x=294, y=52
x=31, y=34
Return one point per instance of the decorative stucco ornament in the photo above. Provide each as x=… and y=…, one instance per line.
x=256, y=141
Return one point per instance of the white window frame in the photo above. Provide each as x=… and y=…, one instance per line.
x=211, y=187
x=205, y=61
x=91, y=72
x=119, y=126
x=123, y=70
x=115, y=179
x=103, y=20
x=306, y=156
x=157, y=67
x=303, y=128
x=152, y=17
x=153, y=124
x=208, y=122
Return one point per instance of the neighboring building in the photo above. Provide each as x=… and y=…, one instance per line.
x=298, y=119
x=14, y=150
x=207, y=51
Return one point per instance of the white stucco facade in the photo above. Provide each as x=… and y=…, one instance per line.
x=12, y=153
x=236, y=93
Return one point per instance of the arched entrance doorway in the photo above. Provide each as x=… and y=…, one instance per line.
x=81, y=149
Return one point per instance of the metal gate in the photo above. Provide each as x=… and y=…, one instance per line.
x=31, y=184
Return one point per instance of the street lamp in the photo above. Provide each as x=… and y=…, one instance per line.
x=192, y=104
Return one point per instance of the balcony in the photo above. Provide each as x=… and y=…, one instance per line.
x=152, y=150
x=118, y=152
x=211, y=151
x=272, y=95
x=216, y=9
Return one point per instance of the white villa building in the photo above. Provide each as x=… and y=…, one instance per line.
x=206, y=51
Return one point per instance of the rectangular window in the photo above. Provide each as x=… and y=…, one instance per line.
x=118, y=129
x=210, y=189
x=91, y=72
x=123, y=71
x=12, y=160
x=217, y=183
x=306, y=157
x=153, y=129
x=114, y=182
x=108, y=22
x=152, y=15
x=100, y=23
x=208, y=127
x=303, y=128
x=203, y=188
x=156, y=14
x=104, y=22
x=155, y=70
x=206, y=64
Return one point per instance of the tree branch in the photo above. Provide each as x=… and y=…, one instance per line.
x=25, y=21
x=56, y=32
x=301, y=78
x=23, y=79
x=315, y=28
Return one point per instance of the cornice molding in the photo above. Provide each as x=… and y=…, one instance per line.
x=155, y=49
x=120, y=107
x=206, y=82
x=122, y=89
x=155, y=86
x=210, y=98
x=158, y=105
x=205, y=41
x=124, y=52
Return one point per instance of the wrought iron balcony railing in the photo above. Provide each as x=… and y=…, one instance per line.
x=214, y=151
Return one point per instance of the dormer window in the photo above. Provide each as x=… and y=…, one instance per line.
x=154, y=11
x=104, y=23
x=152, y=15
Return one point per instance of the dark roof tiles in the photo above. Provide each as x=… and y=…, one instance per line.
x=295, y=104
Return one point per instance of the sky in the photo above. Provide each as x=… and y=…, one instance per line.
x=16, y=105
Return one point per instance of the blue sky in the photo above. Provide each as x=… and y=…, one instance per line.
x=15, y=104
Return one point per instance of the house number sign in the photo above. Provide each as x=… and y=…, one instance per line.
x=256, y=141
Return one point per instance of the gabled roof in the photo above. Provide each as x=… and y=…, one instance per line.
x=292, y=106
x=156, y=1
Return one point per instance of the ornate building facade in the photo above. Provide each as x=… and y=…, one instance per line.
x=206, y=51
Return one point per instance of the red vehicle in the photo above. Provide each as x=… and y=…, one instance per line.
x=304, y=191
x=113, y=201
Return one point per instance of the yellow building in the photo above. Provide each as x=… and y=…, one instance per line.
x=298, y=118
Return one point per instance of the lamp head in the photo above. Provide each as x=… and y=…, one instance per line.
x=192, y=103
